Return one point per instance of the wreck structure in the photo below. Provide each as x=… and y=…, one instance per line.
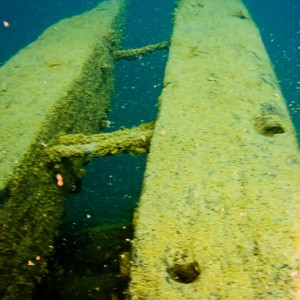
x=219, y=213
x=59, y=84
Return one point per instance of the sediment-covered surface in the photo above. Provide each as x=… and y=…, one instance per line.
x=59, y=84
x=219, y=214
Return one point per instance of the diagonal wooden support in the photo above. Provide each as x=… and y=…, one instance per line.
x=132, y=54
x=135, y=141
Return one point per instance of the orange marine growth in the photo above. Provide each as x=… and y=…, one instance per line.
x=60, y=180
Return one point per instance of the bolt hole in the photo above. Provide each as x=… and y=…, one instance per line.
x=184, y=273
x=269, y=125
x=272, y=130
x=240, y=14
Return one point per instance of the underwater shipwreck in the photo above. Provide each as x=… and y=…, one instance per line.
x=218, y=217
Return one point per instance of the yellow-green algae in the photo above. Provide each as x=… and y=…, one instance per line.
x=59, y=84
x=135, y=140
x=219, y=213
x=131, y=54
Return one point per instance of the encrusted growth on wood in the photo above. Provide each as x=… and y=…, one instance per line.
x=135, y=140
x=132, y=54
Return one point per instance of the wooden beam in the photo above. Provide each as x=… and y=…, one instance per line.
x=132, y=54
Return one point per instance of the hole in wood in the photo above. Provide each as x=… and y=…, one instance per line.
x=185, y=272
x=269, y=126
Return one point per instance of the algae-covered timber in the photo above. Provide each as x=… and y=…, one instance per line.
x=135, y=140
x=218, y=217
x=132, y=54
x=59, y=84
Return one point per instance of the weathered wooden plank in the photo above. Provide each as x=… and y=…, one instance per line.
x=59, y=84
x=219, y=214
